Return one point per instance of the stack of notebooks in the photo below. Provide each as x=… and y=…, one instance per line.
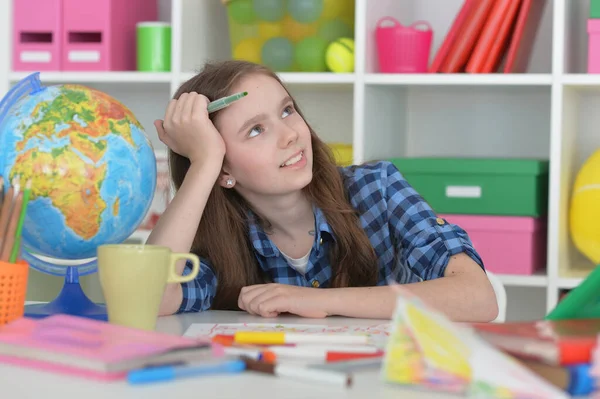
x=490, y=36
x=562, y=352
x=93, y=349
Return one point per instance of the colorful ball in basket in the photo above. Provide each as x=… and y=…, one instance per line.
x=334, y=28
x=584, y=212
x=334, y=8
x=269, y=10
x=305, y=11
x=403, y=49
x=295, y=31
x=249, y=50
x=269, y=30
x=278, y=54
x=310, y=54
x=242, y=11
x=339, y=56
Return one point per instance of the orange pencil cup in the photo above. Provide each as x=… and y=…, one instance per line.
x=13, y=286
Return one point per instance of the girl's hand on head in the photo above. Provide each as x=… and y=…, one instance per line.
x=269, y=300
x=188, y=131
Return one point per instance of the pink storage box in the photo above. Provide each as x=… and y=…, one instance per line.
x=507, y=244
x=593, y=28
x=37, y=35
x=101, y=34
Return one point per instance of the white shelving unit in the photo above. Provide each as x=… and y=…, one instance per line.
x=548, y=112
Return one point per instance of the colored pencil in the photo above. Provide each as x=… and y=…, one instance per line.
x=12, y=216
x=17, y=237
x=5, y=215
x=9, y=238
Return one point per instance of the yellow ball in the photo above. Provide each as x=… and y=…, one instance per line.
x=584, y=212
x=332, y=8
x=348, y=13
x=340, y=55
x=248, y=50
x=269, y=30
x=295, y=31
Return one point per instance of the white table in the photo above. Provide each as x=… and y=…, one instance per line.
x=18, y=383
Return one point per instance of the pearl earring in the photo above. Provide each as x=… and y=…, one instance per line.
x=229, y=182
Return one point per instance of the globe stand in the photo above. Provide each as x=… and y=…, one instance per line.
x=71, y=300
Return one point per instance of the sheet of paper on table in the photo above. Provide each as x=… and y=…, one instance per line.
x=378, y=333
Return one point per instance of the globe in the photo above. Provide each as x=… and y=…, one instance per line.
x=92, y=170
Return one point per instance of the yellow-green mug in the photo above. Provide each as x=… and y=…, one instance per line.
x=133, y=280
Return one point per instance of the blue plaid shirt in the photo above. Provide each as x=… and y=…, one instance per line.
x=412, y=244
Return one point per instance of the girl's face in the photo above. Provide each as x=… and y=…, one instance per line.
x=268, y=144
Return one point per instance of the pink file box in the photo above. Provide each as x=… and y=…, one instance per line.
x=593, y=28
x=37, y=35
x=507, y=244
x=100, y=35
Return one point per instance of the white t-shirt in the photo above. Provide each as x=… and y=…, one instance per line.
x=299, y=264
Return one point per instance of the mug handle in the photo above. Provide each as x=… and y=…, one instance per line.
x=174, y=277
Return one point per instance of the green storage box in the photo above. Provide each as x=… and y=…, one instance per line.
x=594, y=9
x=483, y=186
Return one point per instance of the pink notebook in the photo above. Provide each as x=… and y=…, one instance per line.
x=91, y=348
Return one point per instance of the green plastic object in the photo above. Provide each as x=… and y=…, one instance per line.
x=594, y=9
x=583, y=302
x=153, y=48
x=479, y=186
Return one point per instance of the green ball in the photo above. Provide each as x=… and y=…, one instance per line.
x=270, y=10
x=305, y=11
x=310, y=54
x=333, y=29
x=242, y=11
x=278, y=54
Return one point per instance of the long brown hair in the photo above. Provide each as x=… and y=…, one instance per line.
x=222, y=235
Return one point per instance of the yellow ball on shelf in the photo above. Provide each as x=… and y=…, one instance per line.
x=584, y=213
x=269, y=30
x=296, y=31
x=333, y=8
x=340, y=55
x=249, y=50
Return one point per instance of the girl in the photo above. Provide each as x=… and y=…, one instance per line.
x=281, y=229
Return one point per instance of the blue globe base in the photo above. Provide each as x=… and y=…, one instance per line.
x=71, y=300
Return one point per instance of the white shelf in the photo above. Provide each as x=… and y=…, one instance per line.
x=568, y=283
x=523, y=281
x=441, y=79
x=300, y=78
x=97, y=77
x=550, y=111
x=581, y=80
